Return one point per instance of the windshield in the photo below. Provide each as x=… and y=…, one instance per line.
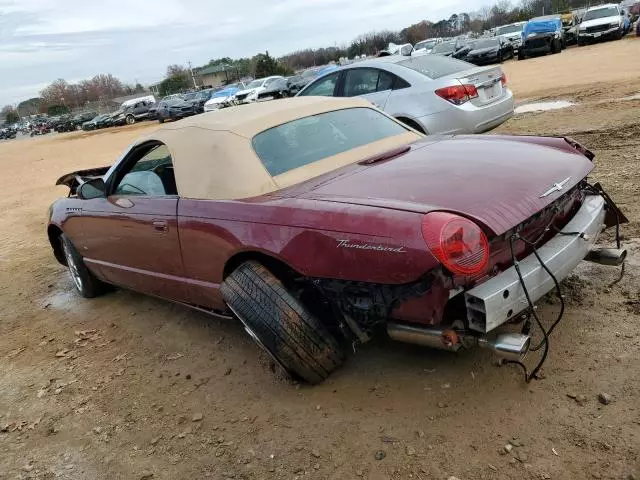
x=435, y=66
x=486, y=43
x=190, y=96
x=309, y=73
x=509, y=29
x=446, y=47
x=601, y=13
x=256, y=83
x=428, y=44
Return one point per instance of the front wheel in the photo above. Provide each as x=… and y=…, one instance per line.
x=520, y=55
x=130, y=120
x=87, y=285
x=280, y=324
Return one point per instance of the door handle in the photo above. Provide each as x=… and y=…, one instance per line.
x=160, y=226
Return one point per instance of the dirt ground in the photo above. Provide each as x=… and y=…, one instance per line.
x=130, y=387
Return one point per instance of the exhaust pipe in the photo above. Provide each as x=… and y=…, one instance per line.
x=512, y=346
x=426, y=337
x=607, y=256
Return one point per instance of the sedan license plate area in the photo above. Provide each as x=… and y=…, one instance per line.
x=492, y=92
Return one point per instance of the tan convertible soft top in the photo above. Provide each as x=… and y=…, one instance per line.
x=213, y=156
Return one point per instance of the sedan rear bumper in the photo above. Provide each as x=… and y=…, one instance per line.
x=470, y=118
x=502, y=298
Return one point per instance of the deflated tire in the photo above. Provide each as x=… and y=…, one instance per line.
x=280, y=324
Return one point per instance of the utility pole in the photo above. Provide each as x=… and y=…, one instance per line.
x=193, y=77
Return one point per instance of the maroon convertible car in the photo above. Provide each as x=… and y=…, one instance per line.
x=319, y=222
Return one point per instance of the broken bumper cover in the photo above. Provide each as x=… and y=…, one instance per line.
x=501, y=298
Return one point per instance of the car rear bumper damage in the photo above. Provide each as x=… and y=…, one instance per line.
x=502, y=298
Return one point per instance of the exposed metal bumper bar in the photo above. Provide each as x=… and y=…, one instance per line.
x=501, y=298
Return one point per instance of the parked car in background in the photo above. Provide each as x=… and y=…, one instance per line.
x=224, y=97
x=463, y=50
x=512, y=33
x=604, y=22
x=298, y=82
x=133, y=113
x=174, y=109
x=446, y=49
x=540, y=37
x=570, y=22
x=425, y=46
x=8, y=133
x=199, y=98
x=64, y=123
x=395, y=49
x=430, y=93
x=322, y=223
x=100, y=121
x=561, y=29
x=255, y=88
x=278, y=88
x=490, y=50
x=80, y=118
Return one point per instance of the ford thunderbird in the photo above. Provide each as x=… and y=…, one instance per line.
x=320, y=222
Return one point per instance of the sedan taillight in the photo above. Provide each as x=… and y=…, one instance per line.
x=458, y=94
x=458, y=243
x=503, y=80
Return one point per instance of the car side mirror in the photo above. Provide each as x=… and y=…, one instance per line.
x=94, y=188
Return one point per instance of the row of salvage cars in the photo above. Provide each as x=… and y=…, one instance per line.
x=320, y=222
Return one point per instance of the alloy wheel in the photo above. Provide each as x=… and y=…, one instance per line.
x=73, y=267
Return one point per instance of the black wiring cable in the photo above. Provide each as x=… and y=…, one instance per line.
x=558, y=293
x=545, y=342
x=546, y=333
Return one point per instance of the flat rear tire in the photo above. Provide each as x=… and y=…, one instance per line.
x=280, y=324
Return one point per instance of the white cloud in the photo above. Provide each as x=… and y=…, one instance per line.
x=42, y=40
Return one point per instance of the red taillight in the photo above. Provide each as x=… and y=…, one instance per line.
x=458, y=94
x=503, y=80
x=456, y=242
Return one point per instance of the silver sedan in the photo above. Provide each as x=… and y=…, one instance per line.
x=430, y=93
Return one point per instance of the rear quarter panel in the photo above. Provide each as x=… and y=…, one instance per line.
x=307, y=235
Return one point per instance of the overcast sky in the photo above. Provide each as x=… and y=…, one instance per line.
x=42, y=40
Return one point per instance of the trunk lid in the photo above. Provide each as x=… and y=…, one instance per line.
x=499, y=182
x=485, y=79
